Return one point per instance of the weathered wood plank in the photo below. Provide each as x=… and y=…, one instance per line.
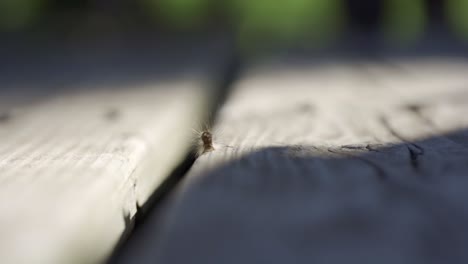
x=358, y=162
x=101, y=137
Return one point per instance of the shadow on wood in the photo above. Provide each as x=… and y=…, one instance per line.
x=403, y=203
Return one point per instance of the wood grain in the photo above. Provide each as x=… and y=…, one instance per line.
x=338, y=162
x=85, y=142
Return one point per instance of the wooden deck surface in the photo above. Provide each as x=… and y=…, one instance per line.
x=361, y=161
x=87, y=138
x=315, y=161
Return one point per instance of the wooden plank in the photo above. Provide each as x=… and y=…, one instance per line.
x=85, y=142
x=339, y=162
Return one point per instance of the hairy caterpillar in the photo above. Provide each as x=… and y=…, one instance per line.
x=204, y=141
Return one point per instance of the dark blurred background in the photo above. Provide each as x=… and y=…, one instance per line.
x=315, y=22
x=58, y=43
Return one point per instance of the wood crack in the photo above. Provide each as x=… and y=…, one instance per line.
x=414, y=150
x=417, y=111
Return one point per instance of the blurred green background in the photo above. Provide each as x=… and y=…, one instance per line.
x=318, y=20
